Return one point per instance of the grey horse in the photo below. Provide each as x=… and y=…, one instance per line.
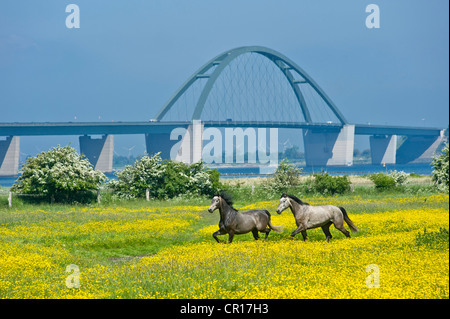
x=233, y=222
x=308, y=216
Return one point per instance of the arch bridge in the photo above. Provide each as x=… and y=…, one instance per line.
x=247, y=87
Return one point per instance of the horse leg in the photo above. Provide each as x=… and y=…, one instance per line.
x=299, y=229
x=326, y=230
x=219, y=232
x=230, y=236
x=255, y=234
x=267, y=231
x=264, y=227
x=305, y=236
x=340, y=226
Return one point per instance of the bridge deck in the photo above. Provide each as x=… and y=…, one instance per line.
x=100, y=128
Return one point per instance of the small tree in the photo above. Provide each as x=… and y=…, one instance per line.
x=440, y=174
x=382, y=181
x=58, y=174
x=133, y=180
x=286, y=176
x=392, y=180
x=400, y=177
x=329, y=185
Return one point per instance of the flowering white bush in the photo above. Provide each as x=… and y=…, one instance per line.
x=389, y=181
x=440, y=173
x=164, y=179
x=59, y=173
x=400, y=178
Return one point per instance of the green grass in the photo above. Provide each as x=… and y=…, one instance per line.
x=434, y=239
x=96, y=236
x=110, y=245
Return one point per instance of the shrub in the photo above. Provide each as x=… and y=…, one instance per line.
x=389, y=181
x=329, y=185
x=400, y=178
x=164, y=179
x=440, y=170
x=133, y=180
x=60, y=174
x=285, y=177
x=382, y=181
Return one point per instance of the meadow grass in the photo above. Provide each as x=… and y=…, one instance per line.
x=165, y=249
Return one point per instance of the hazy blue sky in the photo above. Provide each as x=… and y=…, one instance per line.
x=128, y=57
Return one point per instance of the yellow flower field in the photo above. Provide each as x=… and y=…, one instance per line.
x=168, y=252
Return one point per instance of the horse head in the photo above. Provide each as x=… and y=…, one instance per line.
x=284, y=203
x=221, y=199
x=215, y=203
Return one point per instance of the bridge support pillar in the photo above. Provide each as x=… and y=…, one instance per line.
x=383, y=149
x=418, y=149
x=99, y=151
x=158, y=142
x=9, y=156
x=196, y=131
x=333, y=148
x=187, y=150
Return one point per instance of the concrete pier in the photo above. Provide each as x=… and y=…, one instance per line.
x=196, y=131
x=334, y=148
x=99, y=151
x=418, y=149
x=383, y=149
x=181, y=144
x=9, y=156
x=158, y=142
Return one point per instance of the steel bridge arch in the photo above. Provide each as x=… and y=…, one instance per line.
x=285, y=65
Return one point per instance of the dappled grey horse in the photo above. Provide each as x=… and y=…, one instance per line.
x=308, y=216
x=233, y=222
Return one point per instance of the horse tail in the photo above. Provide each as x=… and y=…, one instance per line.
x=348, y=221
x=278, y=229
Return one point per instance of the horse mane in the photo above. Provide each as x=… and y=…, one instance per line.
x=227, y=198
x=295, y=198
